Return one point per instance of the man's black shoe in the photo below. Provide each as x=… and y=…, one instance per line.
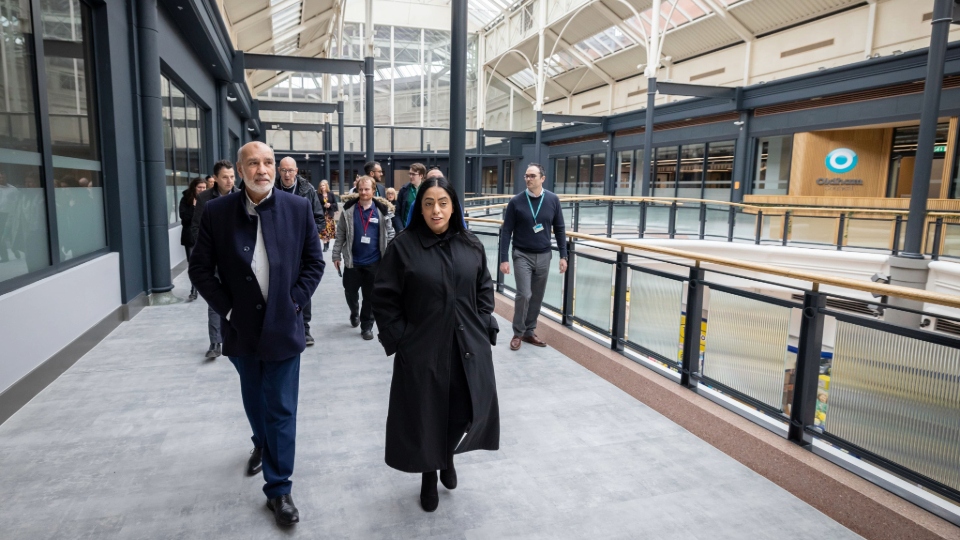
x=308, y=338
x=284, y=510
x=254, y=464
x=354, y=321
x=367, y=334
x=213, y=351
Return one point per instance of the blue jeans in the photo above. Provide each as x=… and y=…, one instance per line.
x=270, y=391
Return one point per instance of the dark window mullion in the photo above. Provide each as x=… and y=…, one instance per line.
x=703, y=172
x=43, y=129
x=677, y=172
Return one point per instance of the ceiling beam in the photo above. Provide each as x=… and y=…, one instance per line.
x=511, y=84
x=581, y=57
x=297, y=106
x=732, y=22
x=620, y=23
x=250, y=21
x=301, y=64
x=293, y=32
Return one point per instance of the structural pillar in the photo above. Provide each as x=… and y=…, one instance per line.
x=458, y=95
x=368, y=75
x=154, y=177
x=340, y=144
x=648, y=137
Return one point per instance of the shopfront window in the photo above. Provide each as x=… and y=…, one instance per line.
x=718, y=179
x=903, y=158
x=665, y=181
x=774, y=155
x=182, y=141
x=625, y=180
x=24, y=234
x=582, y=175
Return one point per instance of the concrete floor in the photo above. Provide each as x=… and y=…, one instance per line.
x=142, y=438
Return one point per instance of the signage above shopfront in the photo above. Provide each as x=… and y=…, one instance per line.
x=841, y=160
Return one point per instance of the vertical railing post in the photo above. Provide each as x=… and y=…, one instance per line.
x=786, y=227
x=499, y=273
x=840, y=231
x=759, y=232
x=937, y=238
x=576, y=216
x=703, y=220
x=690, y=359
x=809, y=347
x=643, y=218
x=897, y=228
x=619, y=327
x=672, y=227
x=568, y=283
x=610, y=219
x=731, y=222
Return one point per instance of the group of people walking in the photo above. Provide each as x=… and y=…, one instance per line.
x=409, y=265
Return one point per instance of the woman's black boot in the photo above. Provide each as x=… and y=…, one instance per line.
x=429, y=499
x=326, y=246
x=449, y=476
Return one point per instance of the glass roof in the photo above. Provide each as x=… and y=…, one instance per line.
x=283, y=21
x=483, y=12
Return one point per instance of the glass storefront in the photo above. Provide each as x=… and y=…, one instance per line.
x=74, y=183
x=183, y=136
x=582, y=175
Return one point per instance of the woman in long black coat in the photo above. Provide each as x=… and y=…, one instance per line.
x=433, y=302
x=188, y=204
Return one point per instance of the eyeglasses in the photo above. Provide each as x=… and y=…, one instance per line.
x=286, y=171
x=531, y=176
x=413, y=174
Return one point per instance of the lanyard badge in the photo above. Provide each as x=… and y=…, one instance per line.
x=537, y=227
x=366, y=223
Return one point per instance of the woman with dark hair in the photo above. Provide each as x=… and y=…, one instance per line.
x=433, y=302
x=187, y=205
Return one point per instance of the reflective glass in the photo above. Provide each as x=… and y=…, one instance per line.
x=774, y=155
x=625, y=180
x=593, y=292
x=665, y=181
x=24, y=236
x=599, y=168
x=193, y=139
x=559, y=175
x=78, y=192
x=690, y=179
x=719, y=176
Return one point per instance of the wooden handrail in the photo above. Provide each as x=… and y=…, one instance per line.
x=918, y=295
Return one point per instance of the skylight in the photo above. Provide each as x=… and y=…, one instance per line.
x=283, y=21
x=483, y=12
x=604, y=43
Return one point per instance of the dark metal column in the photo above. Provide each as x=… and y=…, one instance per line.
x=537, y=142
x=340, y=144
x=327, y=146
x=612, y=166
x=741, y=166
x=807, y=375
x=458, y=95
x=693, y=324
x=221, y=112
x=648, y=137
x=368, y=105
x=153, y=160
x=912, y=248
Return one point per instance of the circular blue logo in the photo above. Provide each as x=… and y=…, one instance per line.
x=841, y=160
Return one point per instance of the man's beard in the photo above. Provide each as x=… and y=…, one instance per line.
x=258, y=189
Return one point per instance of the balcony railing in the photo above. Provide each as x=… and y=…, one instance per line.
x=820, y=366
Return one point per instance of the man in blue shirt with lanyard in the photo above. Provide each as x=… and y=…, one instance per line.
x=363, y=233
x=528, y=219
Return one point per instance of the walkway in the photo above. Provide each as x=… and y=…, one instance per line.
x=144, y=439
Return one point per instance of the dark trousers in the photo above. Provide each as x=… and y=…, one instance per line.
x=270, y=391
x=189, y=250
x=355, y=280
x=305, y=310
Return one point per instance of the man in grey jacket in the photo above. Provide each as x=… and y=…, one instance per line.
x=293, y=183
x=363, y=233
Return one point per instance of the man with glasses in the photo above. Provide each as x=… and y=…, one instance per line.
x=528, y=219
x=293, y=183
x=375, y=171
x=408, y=193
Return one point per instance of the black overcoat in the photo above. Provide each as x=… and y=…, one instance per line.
x=220, y=269
x=429, y=291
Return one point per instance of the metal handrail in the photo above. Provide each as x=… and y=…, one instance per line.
x=816, y=280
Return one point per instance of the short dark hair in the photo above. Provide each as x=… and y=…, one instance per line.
x=220, y=165
x=368, y=166
x=209, y=177
x=539, y=168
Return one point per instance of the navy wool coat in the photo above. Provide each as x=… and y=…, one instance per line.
x=220, y=269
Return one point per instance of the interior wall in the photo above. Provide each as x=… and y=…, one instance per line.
x=809, y=162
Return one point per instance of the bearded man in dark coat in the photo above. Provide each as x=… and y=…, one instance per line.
x=433, y=303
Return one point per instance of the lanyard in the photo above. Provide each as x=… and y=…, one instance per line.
x=535, y=214
x=367, y=222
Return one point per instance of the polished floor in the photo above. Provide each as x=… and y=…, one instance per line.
x=142, y=439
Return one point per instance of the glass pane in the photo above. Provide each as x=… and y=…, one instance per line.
x=167, y=115
x=23, y=205
x=688, y=219
x=813, y=230
x=746, y=346
x=69, y=88
x=665, y=181
x=599, y=166
x=179, y=115
x=869, y=233
x=278, y=139
x=583, y=182
x=658, y=220
x=172, y=199
x=897, y=397
x=654, y=314
x=774, y=155
x=625, y=179
x=626, y=220
x=508, y=175
x=193, y=138
x=490, y=244
x=572, y=171
x=745, y=227
x=690, y=179
x=951, y=240
x=553, y=295
x=719, y=177
x=559, y=175
x=593, y=219
x=593, y=291
x=718, y=222
x=79, y=200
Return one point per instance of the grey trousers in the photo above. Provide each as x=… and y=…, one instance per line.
x=530, y=270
